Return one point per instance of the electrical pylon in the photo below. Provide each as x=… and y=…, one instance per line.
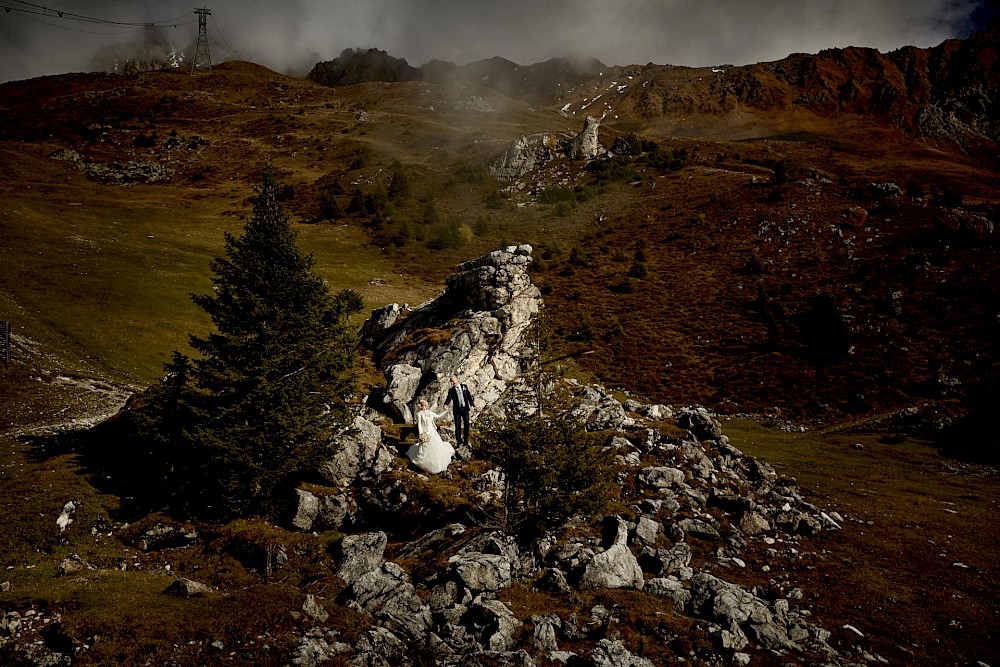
x=202, y=45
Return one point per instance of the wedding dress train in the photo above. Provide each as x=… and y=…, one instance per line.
x=430, y=454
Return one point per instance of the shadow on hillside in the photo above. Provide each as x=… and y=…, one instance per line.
x=107, y=456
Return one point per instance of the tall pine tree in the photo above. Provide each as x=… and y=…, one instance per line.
x=266, y=391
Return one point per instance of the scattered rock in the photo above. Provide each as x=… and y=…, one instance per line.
x=314, y=610
x=187, y=588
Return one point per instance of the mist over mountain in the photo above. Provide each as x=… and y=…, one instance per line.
x=37, y=40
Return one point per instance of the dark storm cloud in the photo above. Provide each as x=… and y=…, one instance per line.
x=294, y=34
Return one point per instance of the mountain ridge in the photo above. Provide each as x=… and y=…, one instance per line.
x=911, y=88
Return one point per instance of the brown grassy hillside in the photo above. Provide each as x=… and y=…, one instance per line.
x=776, y=273
x=758, y=263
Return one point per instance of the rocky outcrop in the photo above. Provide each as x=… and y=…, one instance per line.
x=532, y=151
x=585, y=146
x=116, y=173
x=524, y=155
x=355, y=66
x=387, y=595
x=687, y=490
x=474, y=329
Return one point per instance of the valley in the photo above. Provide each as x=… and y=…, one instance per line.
x=828, y=270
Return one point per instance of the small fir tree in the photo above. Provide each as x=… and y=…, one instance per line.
x=267, y=390
x=553, y=468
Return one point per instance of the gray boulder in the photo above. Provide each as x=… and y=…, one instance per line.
x=323, y=512
x=307, y=508
x=699, y=528
x=361, y=554
x=492, y=623
x=754, y=523
x=553, y=580
x=662, y=477
x=657, y=412
x=615, y=568
x=732, y=606
x=612, y=653
x=586, y=146
x=669, y=587
x=647, y=530
x=666, y=561
x=544, y=638
x=187, y=588
x=380, y=648
x=402, y=382
x=609, y=414
x=317, y=648
x=361, y=452
x=388, y=596
x=700, y=422
x=482, y=572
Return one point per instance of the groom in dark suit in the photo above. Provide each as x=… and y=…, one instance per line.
x=461, y=401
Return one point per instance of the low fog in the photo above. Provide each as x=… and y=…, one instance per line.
x=293, y=35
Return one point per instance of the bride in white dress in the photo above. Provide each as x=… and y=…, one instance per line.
x=431, y=453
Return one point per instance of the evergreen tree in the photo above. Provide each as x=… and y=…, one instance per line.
x=267, y=390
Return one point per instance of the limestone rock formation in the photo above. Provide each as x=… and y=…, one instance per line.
x=688, y=491
x=532, y=151
x=524, y=155
x=585, y=146
x=475, y=329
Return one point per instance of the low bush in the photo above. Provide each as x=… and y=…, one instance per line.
x=553, y=470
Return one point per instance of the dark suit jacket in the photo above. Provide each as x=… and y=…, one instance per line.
x=453, y=398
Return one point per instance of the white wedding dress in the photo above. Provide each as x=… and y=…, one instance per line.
x=434, y=455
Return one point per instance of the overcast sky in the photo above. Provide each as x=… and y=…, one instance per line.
x=292, y=35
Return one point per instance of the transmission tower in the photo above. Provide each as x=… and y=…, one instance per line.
x=202, y=46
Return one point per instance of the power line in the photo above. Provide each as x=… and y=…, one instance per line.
x=85, y=32
x=30, y=8
x=222, y=37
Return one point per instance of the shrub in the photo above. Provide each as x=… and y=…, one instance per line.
x=430, y=212
x=638, y=270
x=494, y=201
x=556, y=194
x=375, y=202
x=553, y=470
x=465, y=173
x=329, y=208
x=399, y=182
x=823, y=328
